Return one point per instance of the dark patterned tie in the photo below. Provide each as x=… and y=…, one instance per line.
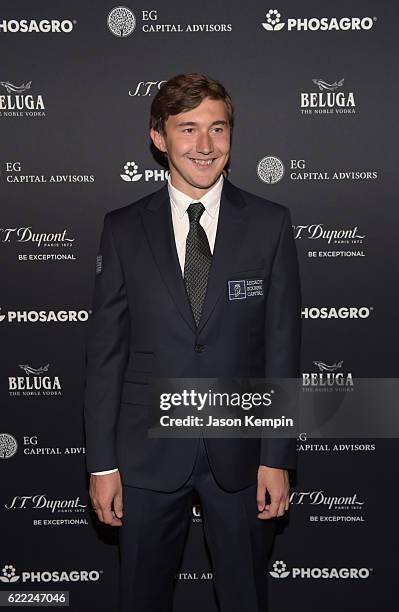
x=197, y=261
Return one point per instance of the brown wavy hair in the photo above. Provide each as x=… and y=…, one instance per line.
x=184, y=92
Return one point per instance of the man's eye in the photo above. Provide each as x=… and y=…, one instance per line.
x=189, y=130
x=218, y=129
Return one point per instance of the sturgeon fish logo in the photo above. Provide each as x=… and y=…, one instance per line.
x=324, y=86
x=323, y=367
x=28, y=370
x=15, y=88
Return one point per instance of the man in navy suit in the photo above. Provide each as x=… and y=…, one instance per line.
x=164, y=306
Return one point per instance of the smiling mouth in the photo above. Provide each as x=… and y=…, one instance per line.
x=202, y=162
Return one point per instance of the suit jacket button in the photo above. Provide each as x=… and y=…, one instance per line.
x=199, y=348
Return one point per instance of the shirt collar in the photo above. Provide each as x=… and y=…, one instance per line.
x=210, y=200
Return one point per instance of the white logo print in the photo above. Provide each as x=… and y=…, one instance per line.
x=324, y=86
x=145, y=88
x=345, y=573
x=15, y=88
x=121, y=21
x=8, y=572
x=8, y=446
x=279, y=570
x=324, y=367
x=270, y=169
x=29, y=370
x=314, y=24
x=273, y=21
x=130, y=169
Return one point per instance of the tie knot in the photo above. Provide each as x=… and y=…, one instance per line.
x=195, y=211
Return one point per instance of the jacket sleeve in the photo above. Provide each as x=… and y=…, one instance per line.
x=283, y=335
x=106, y=355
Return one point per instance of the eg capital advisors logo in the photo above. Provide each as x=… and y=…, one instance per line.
x=121, y=21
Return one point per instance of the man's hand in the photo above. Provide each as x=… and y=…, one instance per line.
x=275, y=481
x=104, y=490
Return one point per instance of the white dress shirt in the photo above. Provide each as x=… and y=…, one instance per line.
x=179, y=202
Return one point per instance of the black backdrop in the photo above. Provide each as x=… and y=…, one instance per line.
x=74, y=108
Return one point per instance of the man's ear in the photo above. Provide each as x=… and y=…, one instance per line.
x=158, y=140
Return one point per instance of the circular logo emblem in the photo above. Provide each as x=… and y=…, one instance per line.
x=270, y=169
x=121, y=21
x=130, y=173
x=8, y=446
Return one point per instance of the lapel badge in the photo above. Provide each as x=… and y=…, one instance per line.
x=237, y=290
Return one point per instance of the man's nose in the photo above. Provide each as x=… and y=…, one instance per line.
x=204, y=143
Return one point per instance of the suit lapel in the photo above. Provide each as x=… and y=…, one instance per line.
x=230, y=236
x=231, y=229
x=158, y=225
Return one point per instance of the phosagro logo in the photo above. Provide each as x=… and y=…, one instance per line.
x=45, y=316
x=342, y=312
x=132, y=174
x=9, y=574
x=302, y=24
x=273, y=23
x=340, y=573
x=43, y=26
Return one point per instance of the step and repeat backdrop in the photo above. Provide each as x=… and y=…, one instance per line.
x=315, y=89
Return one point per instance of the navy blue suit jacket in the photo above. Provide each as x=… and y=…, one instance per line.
x=142, y=325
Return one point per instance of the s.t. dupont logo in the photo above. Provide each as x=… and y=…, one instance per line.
x=146, y=88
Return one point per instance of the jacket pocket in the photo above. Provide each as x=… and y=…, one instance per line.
x=243, y=273
x=250, y=268
x=135, y=391
x=140, y=361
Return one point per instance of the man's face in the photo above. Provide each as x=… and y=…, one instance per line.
x=197, y=144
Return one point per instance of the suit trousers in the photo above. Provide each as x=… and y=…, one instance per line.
x=153, y=534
